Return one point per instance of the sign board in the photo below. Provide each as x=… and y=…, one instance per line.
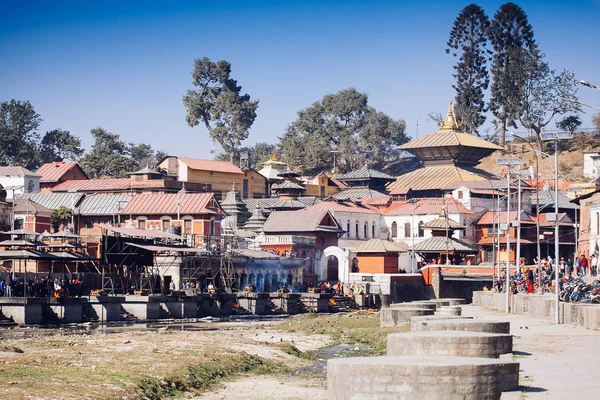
x=551, y=217
x=520, y=172
x=548, y=233
x=503, y=227
x=368, y=279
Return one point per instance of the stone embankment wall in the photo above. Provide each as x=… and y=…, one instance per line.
x=543, y=307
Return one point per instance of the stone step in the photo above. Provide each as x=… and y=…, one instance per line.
x=449, y=343
x=470, y=325
x=417, y=377
x=429, y=306
x=400, y=316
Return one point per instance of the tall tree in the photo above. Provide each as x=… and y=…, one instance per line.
x=468, y=41
x=512, y=41
x=570, y=124
x=545, y=94
x=108, y=157
x=219, y=104
x=596, y=122
x=57, y=145
x=343, y=123
x=18, y=136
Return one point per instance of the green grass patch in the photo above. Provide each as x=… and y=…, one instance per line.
x=292, y=350
x=363, y=330
x=207, y=375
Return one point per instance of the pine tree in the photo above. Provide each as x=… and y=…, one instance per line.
x=468, y=41
x=512, y=41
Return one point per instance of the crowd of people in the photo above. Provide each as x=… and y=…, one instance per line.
x=41, y=287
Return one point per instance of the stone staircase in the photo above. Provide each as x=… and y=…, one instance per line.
x=343, y=304
x=125, y=316
x=6, y=322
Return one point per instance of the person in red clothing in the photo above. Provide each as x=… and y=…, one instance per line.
x=583, y=262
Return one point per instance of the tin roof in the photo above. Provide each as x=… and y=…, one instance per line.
x=427, y=206
x=344, y=206
x=381, y=246
x=54, y=171
x=358, y=193
x=23, y=205
x=103, y=204
x=439, y=177
x=502, y=217
x=167, y=204
x=443, y=223
x=211, y=165
x=91, y=185
x=55, y=200
x=546, y=199
x=16, y=171
x=438, y=244
x=364, y=173
x=301, y=221
x=268, y=203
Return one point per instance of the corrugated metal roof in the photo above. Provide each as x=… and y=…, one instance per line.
x=546, y=199
x=427, y=206
x=211, y=165
x=300, y=221
x=103, y=204
x=52, y=172
x=90, y=185
x=381, y=246
x=30, y=206
x=358, y=193
x=443, y=223
x=364, y=173
x=376, y=201
x=501, y=217
x=16, y=171
x=441, y=244
x=55, y=200
x=438, y=177
x=345, y=206
x=287, y=185
x=443, y=138
x=166, y=204
x=268, y=203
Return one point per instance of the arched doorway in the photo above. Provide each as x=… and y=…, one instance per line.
x=259, y=283
x=333, y=265
x=267, y=283
x=355, y=264
x=243, y=281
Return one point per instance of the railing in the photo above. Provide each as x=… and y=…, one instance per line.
x=290, y=239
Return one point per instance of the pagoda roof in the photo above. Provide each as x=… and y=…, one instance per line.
x=438, y=244
x=364, y=173
x=287, y=185
x=439, y=176
x=443, y=223
x=444, y=138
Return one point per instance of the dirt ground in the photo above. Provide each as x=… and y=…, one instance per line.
x=112, y=363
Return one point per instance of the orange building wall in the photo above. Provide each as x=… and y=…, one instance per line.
x=378, y=263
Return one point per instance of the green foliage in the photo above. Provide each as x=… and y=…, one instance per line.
x=570, y=124
x=544, y=94
x=261, y=152
x=344, y=123
x=60, y=216
x=468, y=41
x=219, y=105
x=108, y=157
x=57, y=145
x=207, y=375
x=512, y=40
x=18, y=136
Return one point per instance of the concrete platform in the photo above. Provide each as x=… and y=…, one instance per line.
x=417, y=377
x=448, y=343
x=285, y=302
x=429, y=306
x=316, y=302
x=455, y=301
x=400, y=316
x=440, y=302
x=450, y=310
x=437, y=317
x=463, y=325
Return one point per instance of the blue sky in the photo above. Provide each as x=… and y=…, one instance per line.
x=125, y=65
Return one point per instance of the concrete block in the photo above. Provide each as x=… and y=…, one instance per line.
x=416, y=377
x=449, y=343
x=464, y=325
x=450, y=311
x=455, y=301
x=400, y=316
x=428, y=306
x=437, y=317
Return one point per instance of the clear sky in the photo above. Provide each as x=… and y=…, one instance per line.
x=125, y=65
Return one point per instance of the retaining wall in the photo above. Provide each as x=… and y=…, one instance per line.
x=541, y=306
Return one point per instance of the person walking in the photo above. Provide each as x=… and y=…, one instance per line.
x=584, y=264
x=594, y=265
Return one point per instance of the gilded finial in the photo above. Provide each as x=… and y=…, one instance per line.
x=450, y=122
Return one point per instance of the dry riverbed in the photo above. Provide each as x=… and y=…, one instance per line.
x=282, y=359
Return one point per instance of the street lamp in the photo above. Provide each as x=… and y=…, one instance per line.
x=584, y=83
x=508, y=162
x=334, y=153
x=556, y=136
x=575, y=191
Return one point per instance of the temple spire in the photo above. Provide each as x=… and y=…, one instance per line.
x=450, y=122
